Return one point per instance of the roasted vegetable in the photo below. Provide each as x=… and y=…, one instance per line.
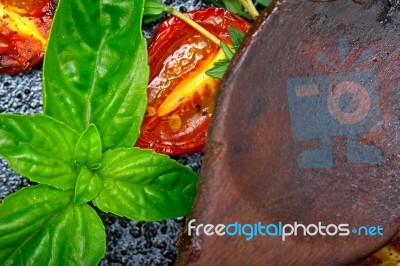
x=24, y=31
x=180, y=94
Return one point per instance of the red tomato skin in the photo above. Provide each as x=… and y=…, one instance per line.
x=174, y=37
x=19, y=52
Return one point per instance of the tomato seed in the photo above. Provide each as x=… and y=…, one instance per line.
x=175, y=122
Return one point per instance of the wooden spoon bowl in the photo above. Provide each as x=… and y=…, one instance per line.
x=307, y=131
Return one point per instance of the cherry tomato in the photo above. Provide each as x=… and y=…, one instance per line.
x=388, y=255
x=180, y=95
x=24, y=31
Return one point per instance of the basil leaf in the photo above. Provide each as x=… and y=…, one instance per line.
x=227, y=51
x=149, y=19
x=40, y=226
x=95, y=70
x=233, y=6
x=221, y=66
x=87, y=187
x=219, y=69
x=88, y=149
x=143, y=185
x=39, y=148
x=153, y=8
x=216, y=3
x=264, y=2
x=236, y=37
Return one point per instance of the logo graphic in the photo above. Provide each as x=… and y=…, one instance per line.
x=335, y=105
x=280, y=229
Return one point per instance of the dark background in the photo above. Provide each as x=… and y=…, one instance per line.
x=128, y=242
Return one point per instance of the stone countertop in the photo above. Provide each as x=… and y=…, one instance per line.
x=128, y=242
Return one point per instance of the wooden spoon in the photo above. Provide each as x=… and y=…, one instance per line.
x=307, y=131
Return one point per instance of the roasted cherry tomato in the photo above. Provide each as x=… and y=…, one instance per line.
x=386, y=256
x=180, y=94
x=24, y=31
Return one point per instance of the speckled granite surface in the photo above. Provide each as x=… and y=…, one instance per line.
x=128, y=242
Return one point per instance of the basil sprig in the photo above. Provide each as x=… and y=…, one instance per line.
x=80, y=151
x=243, y=8
x=220, y=67
x=233, y=6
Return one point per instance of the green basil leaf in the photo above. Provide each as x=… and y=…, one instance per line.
x=143, y=185
x=219, y=69
x=88, y=150
x=95, y=70
x=235, y=7
x=216, y=3
x=40, y=226
x=153, y=7
x=149, y=19
x=264, y=2
x=227, y=51
x=153, y=10
x=87, y=187
x=39, y=148
x=236, y=37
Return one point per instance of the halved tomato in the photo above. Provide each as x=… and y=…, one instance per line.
x=180, y=95
x=24, y=31
x=386, y=256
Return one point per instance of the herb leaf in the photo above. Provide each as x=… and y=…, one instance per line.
x=153, y=10
x=153, y=7
x=95, y=70
x=264, y=2
x=88, y=150
x=39, y=148
x=87, y=187
x=233, y=6
x=50, y=230
x=227, y=51
x=236, y=37
x=219, y=69
x=143, y=185
x=95, y=80
x=221, y=66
